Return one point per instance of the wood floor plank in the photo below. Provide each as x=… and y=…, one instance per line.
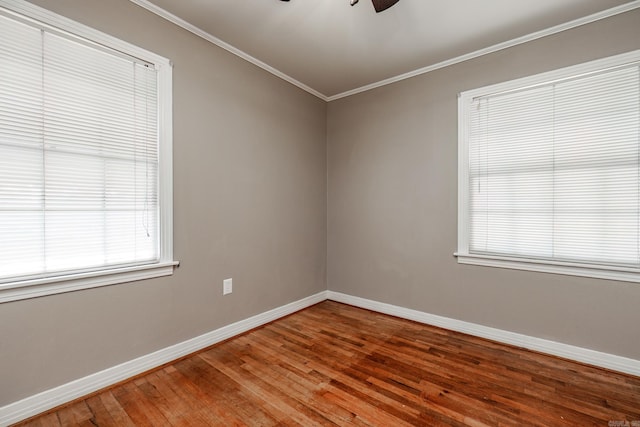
x=139, y=409
x=177, y=409
x=230, y=396
x=100, y=413
x=333, y=364
x=205, y=404
x=333, y=368
x=47, y=420
x=115, y=410
x=284, y=405
x=304, y=388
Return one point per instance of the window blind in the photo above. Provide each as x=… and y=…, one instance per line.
x=78, y=155
x=554, y=170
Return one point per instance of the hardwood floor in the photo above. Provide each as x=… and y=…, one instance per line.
x=333, y=364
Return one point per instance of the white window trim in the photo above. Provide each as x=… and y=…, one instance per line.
x=609, y=272
x=24, y=289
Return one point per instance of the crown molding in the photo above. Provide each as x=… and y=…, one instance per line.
x=226, y=46
x=635, y=4
x=495, y=48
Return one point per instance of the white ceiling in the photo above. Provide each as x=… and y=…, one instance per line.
x=330, y=48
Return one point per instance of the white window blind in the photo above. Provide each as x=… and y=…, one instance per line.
x=78, y=155
x=554, y=170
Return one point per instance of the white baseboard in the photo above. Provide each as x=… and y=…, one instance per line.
x=595, y=358
x=41, y=402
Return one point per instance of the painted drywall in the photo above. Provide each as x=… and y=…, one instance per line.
x=249, y=203
x=392, y=204
x=250, y=187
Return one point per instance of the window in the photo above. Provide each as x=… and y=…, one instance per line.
x=549, y=172
x=85, y=157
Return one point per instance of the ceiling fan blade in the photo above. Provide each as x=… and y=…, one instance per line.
x=381, y=5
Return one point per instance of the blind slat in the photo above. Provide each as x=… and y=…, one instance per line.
x=554, y=170
x=78, y=155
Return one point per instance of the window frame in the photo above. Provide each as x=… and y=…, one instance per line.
x=56, y=284
x=463, y=255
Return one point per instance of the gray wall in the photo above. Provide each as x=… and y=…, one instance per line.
x=250, y=200
x=392, y=206
x=250, y=203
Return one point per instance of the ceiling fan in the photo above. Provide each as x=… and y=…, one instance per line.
x=378, y=5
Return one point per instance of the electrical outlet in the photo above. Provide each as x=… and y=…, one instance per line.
x=227, y=286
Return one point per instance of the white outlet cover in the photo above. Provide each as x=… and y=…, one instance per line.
x=227, y=286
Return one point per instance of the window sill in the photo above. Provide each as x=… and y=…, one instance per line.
x=74, y=282
x=624, y=274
